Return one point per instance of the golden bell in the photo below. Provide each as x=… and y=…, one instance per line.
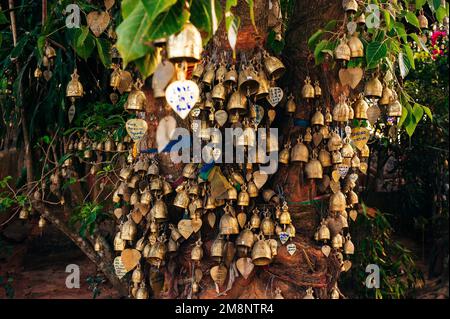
x=248, y=81
x=115, y=78
x=228, y=225
x=120, y=147
x=194, y=189
x=186, y=45
x=232, y=193
x=244, y=197
x=140, y=244
x=285, y=217
x=172, y=246
x=274, y=67
x=300, y=152
x=336, y=157
x=245, y=239
x=261, y=253
x=291, y=107
x=317, y=89
x=136, y=100
x=181, y=199
x=308, y=91
x=352, y=198
x=386, y=97
x=290, y=229
x=255, y=220
x=356, y=162
x=361, y=20
x=74, y=88
x=336, y=242
x=49, y=51
x=318, y=118
x=219, y=93
x=324, y=232
x=335, y=142
x=325, y=158
x=356, y=47
x=140, y=166
x=134, y=199
x=157, y=253
x=24, y=214
x=210, y=203
x=133, y=183
x=109, y=145
x=267, y=226
x=218, y=249
x=423, y=21
x=341, y=110
x=129, y=230
x=268, y=195
x=360, y=108
x=119, y=243
x=231, y=77
x=342, y=51
x=365, y=152
x=373, y=88
x=394, y=109
x=285, y=155
x=334, y=293
x=314, y=169
x=197, y=252
x=189, y=170
x=252, y=190
x=337, y=202
x=137, y=276
x=159, y=211
x=350, y=6
x=198, y=71
x=98, y=245
x=347, y=151
x=153, y=169
x=166, y=188
x=264, y=85
x=349, y=247
x=328, y=117
x=146, y=251
x=115, y=197
x=209, y=75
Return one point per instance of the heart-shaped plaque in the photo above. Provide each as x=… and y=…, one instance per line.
x=326, y=250
x=219, y=274
x=98, y=22
x=242, y=219
x=343, y=170
x=353, y=214
x=119, y=268
x=211, y=217
x=221, y=117
x=71, y=113
x=245, y=266
x=182, y=96
x=360, y=136
x=373, y=114
x=335, y=175
x=363, y=168
x=346, y=265
x=136, y=128
x=196, y=224
x=260, y=178
x=317, y=138
x=136, y=216
x=109, y=4
x=351, y=76
x=284, y=237
x=118, y=212
x=185, y=228
x=257, y=113
x=165, y=131
x=130, y=258
x=271, y=114
x=275, y=96
x=291, y=249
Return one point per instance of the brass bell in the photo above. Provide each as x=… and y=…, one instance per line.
x=49, y=51
x=386, y=97
x=349, y=247
x=159, y=211
x=356, y=47
x=309, y=293
x=334, y=293
x=261, y=252
x=336, y=157
x=172, y=246
x=115, y=78
x=252, y=189
x=324, y=231
x=325, y=158
x=189, y=170
x=308, y=91
x=157, y=253
x=270, y=196
x=134, y=199
x=194, y=189
x=318, y=118
x=314, y=169
x=136, y=99
x=116, y=198
x=352, y=198
x=140, y=244
x=291, y=107
x=166, y=188
x=181, y=199
x=218, y=249
x=24, y=213
x=255, y=220
x=210, y=203
x=119, y=243
x=248, y=81
x=138, y=275
x=198, y=71
x=350, y=6
x=328, y=117
x=361, y=20
x=142, y=292
x=337, y=202
x=195, y=287
x=317, y=89
x=228, y=224
x=109, y=145
x=290, y=229
x=342, y=51
x=273, y=244
x=347, y=151
x=395, y=109
x=274, y=67
x=264, y=85
x=336, y=242
x=120, y=147
x=423, y=21
x=140, y=166
x=209, y=75
x=133, y=182
x=341, y=110
x=360, y=108
x=356, y=162
x=74, y=88
x=219, y=93
x=285, y=154
x=244, y=197
x=153, y=169
x=373, y=89
x=197, y=251
x=98, y=245
x=300, y=152
x=335, y=142
x=245, y=238
x=267, y=226
x=186, y=45
x=285, y=217
x=231, y=77
x=129, y=230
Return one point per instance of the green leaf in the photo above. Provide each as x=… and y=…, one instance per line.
x=41, y=44
x=318, y=54
x=103, y=49
x=400, y=30
x=206, y=15
x=412, y=19
x=417, y=111
x=147, y=64
x=86, y=45
x=315, y=38
x=331, y=25
x=375, y=52
x=428, y=112
x=403, y=117
x=251, y=9
x=387, y=19
x=403, y=64
x=441, y=13
x=128, y=6
x=420, y=4
x=419, y=42
x=410, y=54
x=131, y=34
x=3, y=19
x=168, y=22
x=155, y=7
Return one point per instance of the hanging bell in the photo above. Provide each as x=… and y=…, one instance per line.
x=218, y=249
x=335, y=142
x=159, y=211
x=337, y=202
x=252, y=189
x=360, y=108
x=342, y=51
x=267, y=226
x=198, y=71
x=189, y=170
x=324, y=231
x=356, y=47
x=209, y=75
x=356, y=162
x=318, y=118
x=245, y=239
x=74, y=88
x=291, y=107
x=309, y=293
x=197, y=251
x=349, y=247
x=314, y=169
x=325, y=158
x=98, y=245
x=109, y=145
x=137, y=276
x=373, y=89
x=347, y=151
x=237, y=103
x=350, y=6
x=49, y=51
x=274, y=67
x=423, y=21
x=228, y=224
x=341, y=110
x=142, y=292
x=157, y=253
x=186, y=45
x=231, y=77
x=140, y=244
x=119, y=243
x=317, y=89
x=336, y=242
x=255, y=220
x=395, y=109
x=133, y=182
x=136, y=99
x=308, y=91
x=334, y=293
x=261, y=252
x=24, y=213
x=134, y=199
x=220, y=72
x=285, y=217
x=248, y=81
x=244, y=197
x=129, y=230
x=300, y=152
x=361, y=20
x=181, y=199
x=166, y=188
x=264, y=85
x=115, y=79
x=386, y=97
x=336, y=157
x=352, y=198
x=219, y=93
x=285, y=155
